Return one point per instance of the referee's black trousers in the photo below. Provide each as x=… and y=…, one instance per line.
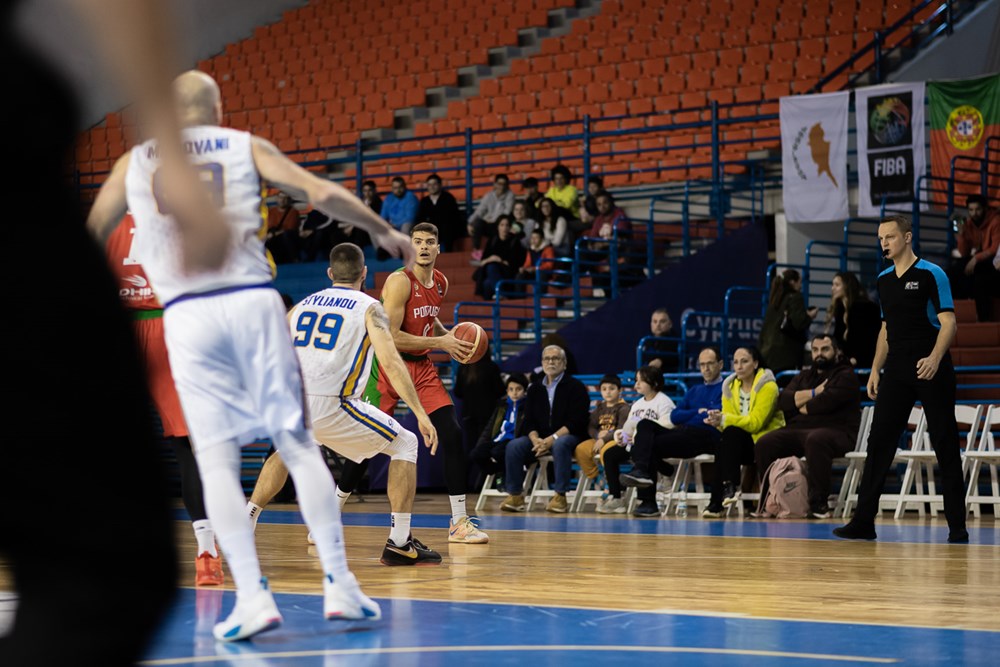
x=897, y=392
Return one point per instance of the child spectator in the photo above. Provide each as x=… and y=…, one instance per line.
x=605, y=419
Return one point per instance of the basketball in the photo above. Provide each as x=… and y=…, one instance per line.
x=476, y=335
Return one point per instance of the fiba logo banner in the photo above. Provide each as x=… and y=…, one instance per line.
x=890, y=122
x=814, y=156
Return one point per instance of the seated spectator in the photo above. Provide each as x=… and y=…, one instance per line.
x=609, y=222
x=482, y=222
x=523, y=224
x=653, y=405
x=399, y=208
x=609, y=416
x=539, y=250
x=490, y=451
x=440, y=208
x=531, y=197
x=553, y=222
x=972, y=274
x=562, y=192
x=786, y=323
x=502, y=257
x=749, y=410
x=283, y=230
x=555, y=421
x=588, y=212
x=853, y=319
x=370, y=197
x=822, y=407
x=662, y=354
x=683, y=434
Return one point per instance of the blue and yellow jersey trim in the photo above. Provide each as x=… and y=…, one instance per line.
x=368, y=421
x=357, y=366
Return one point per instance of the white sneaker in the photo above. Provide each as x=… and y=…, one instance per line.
x=343, y=600
x=611, y=506
x=250, y=617
x=309, y=539
x=466, y=531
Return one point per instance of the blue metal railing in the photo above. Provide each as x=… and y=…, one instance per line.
x=905, y=33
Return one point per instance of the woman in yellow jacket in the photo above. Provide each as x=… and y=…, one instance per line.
x=749, y=410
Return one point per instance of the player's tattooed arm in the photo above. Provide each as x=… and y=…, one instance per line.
x=380, y=334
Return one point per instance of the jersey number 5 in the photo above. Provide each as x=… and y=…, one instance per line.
x=320, y=332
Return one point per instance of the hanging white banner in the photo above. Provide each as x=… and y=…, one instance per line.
x=891, y=151
x=814, y=156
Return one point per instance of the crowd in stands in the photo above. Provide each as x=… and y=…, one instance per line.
x=501, y=251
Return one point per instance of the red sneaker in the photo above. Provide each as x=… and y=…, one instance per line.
x=208, y=570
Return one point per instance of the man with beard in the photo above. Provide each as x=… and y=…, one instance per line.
x=822, y=407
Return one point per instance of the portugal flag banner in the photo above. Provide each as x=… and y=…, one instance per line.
x=963, y=115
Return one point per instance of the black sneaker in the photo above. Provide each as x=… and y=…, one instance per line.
x=646, y=508
x=730, y=494
x=714, y=511
x=823, y=512
x=411, y=553
x=636, y=477
x=853, y=531
x=958, y=536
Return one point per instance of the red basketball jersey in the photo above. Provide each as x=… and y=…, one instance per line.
x=133, y=286
x=423, y=307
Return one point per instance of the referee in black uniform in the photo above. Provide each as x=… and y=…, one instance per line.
x=918, y=326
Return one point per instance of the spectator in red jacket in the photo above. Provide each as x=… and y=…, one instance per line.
x=972, y=274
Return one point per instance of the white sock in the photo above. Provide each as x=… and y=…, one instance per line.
x=254, y=512
x=400, y=528
x=457, y=508
x=206, y=537
x=342, y=497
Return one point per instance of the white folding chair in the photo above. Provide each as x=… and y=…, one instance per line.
x=540, y=488
x=587, y=491
x=857, y=458
x=855, y=461
x=489, y=492
x=985, y=454
x=920, y=460
x=682, y=480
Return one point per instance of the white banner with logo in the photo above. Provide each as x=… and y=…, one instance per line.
x=814, y=156
x=891, y=152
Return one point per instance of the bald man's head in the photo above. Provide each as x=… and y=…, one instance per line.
x=199, y=101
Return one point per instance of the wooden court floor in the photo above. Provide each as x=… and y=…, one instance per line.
x=708, y=591
x=604, y=566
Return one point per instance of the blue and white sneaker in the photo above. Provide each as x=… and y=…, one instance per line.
x=343, y=600
x=249, y=617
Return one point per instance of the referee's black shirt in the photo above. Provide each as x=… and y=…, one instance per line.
x=911, y=303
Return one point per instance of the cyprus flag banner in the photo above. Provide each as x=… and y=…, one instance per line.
x=891, y=152
x=814, y=156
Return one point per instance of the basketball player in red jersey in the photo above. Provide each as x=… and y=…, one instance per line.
x=412, y=299
x=147, y=318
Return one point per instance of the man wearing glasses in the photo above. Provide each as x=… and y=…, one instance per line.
x=683, y=433
x=556, y=414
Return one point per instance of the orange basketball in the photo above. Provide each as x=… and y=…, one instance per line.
x=476, y=335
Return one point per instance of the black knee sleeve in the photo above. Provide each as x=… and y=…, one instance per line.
x=453, y=451
x=191, y=493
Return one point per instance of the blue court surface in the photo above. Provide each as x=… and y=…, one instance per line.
x=435, y=632
x=443, y=633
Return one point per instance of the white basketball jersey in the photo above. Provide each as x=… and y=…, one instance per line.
x=225, y=163
x=331, y=339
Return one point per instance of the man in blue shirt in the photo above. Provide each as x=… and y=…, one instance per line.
x=399, y=208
